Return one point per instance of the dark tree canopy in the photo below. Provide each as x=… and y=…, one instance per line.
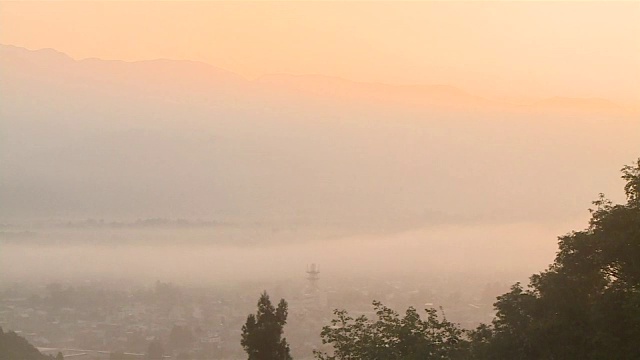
x=391, y=337
x=262, y=333
x=14, y=346
x=586, y=305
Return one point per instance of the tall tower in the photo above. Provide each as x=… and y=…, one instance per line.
x=313, y=299
x=313, y=272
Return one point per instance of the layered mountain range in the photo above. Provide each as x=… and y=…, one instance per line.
x=170, y=138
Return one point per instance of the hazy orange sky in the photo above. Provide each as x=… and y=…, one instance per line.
x=494, y=49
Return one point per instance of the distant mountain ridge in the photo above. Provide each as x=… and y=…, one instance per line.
x=179, y=139
x=195, y=76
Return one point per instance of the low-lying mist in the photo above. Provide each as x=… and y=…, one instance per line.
x=363, y=179
x=197, y=256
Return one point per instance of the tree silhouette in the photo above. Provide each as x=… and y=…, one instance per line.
x=586, y=305
x=262, y=333
x=14, y=346
x=391, y=336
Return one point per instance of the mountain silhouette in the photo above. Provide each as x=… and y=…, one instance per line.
x=165, y=138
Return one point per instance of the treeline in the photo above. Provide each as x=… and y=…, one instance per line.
x=586, y=305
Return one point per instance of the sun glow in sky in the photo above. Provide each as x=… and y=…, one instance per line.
x=493, y=49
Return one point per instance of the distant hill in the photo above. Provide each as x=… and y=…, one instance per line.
x=587, y=105
x=15, y=347
x=184, y=77
x=433, y=96
x=182, y=139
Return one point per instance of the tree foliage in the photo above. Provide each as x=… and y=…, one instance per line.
x=262, y=333
x=14, y=346
x=391, y=336
x=586, y=305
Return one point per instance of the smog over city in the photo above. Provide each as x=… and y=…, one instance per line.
x=319, y=180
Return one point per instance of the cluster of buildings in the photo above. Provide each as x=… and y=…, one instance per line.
x=105, y=321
